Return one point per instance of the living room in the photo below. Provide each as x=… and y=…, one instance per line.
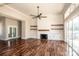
x=38, y=29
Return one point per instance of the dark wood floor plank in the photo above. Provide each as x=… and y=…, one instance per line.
x=34, y=47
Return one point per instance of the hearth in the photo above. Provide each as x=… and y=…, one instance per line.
x=43, y=36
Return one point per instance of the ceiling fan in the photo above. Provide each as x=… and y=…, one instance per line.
x=39, y=15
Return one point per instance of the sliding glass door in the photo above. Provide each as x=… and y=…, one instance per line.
x=68, y=36
x=76, y=35
x=72, y=36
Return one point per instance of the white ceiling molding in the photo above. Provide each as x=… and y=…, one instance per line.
x=1, y=4
x=11, y=12
x=71, y=8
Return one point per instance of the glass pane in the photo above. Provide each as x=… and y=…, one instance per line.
x=10, y=32
x=68, y=36
x=76, y=34
x=14, y=32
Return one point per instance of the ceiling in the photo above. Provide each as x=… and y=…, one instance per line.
x=45, y=8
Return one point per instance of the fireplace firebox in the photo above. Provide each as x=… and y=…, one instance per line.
x=43, y=36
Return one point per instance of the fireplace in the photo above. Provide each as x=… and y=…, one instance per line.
x=43, y=36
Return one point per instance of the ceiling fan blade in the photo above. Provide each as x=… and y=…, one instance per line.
x=43, y=16
x=39, y=17
x=32, y=15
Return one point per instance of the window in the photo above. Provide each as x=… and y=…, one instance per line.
x=76, y=34
x=72, y=35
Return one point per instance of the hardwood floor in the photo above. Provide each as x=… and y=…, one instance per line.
x=34, y=47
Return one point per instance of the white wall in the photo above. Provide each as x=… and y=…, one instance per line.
x=12, y=23
x=45, y=23
x=26, y=32
x=8, y=22
x=27, y=21
x=2, y=28
x=57, y=34
x=33, y=33
x=10, y=12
